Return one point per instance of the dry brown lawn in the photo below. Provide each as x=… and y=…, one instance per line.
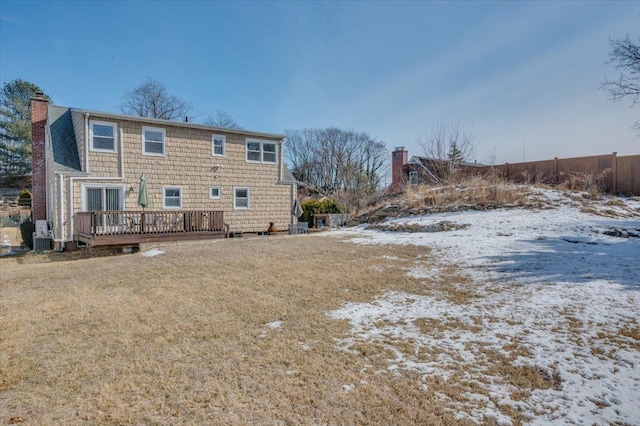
x=185, y=337
x=222, y=332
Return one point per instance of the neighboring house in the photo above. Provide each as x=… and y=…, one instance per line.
x=421, y=170
x=202, y=181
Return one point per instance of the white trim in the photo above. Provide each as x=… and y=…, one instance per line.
x=86, y=142
x=224, y=145
x=121, y=153
x=211, y=197
x=164, y=195
x=61, y=207
x=235, y=189
x=262, y=142
x=281, y=162
x=164, y=141
x=114, y=126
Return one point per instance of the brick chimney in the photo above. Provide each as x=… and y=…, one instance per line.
x=398, y=160
x=39, y=108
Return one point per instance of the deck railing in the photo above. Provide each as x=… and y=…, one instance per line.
x=119, y=222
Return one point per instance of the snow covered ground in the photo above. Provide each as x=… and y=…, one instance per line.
x=555, y=295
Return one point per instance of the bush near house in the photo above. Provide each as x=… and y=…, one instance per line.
x=323, y=206
x=24, y=199
x=27, y=228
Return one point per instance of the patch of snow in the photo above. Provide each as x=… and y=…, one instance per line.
x=152, y=252
x=274, y=325
x=549, y=282
x=420, y=272
x=304, y=346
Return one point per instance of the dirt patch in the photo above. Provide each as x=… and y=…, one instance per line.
x=442, y=226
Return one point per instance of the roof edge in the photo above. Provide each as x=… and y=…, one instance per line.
x=160, y=121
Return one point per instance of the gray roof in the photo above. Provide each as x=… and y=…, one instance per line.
x=288, y=176
x=63, y=140
x=425, y=160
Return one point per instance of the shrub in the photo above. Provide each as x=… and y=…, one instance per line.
x=324, y=206
x=24, y=199
x=590, y=183
x=27, y=228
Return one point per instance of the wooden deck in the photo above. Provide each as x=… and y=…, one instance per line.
x=109, y=228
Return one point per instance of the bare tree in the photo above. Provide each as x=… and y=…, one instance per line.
x=222, y=119
x=347, y=165
x=491, y=155
x=624, y=56
x=151, y=99
x=446, y=147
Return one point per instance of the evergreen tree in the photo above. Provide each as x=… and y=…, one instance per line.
x=455, y=154
x=15, y=127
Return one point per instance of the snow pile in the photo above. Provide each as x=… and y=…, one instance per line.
x=153, y=252
x=555, y=296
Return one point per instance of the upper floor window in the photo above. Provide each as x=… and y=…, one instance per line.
x=218, y=145
x=260, y=151
x=153, y=141
x=103, y=136
x=172, y=197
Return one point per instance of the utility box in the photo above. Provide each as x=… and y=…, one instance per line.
x=42, y=230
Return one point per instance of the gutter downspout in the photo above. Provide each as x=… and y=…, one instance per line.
x=281, y=165
x=61, y=209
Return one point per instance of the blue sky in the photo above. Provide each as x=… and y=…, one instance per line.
x=524, y=76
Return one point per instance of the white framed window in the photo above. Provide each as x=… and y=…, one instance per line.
x=103, y=136
x=171, y=197
x=261, y=151
x=215, y=193
x=154, y=141
x=218, y=145
x=413, y=177
x=241, y=198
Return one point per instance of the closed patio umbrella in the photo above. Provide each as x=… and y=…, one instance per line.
x=143, y=196
x=296, y=209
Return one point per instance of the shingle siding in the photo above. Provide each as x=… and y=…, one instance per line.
x=188, y=163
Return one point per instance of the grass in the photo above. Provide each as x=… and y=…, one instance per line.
x=236, y=332
x=185, y=338
x=471, y=192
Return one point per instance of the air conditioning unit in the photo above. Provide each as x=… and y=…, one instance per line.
x=42, y=230
x=41, y=243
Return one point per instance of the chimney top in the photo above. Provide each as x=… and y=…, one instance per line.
x=399, y=148
x=39, y=96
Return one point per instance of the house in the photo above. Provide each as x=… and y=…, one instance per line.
x=422, y=170
x=201, y=181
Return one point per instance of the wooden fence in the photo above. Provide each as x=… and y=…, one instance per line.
x=612, y=173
